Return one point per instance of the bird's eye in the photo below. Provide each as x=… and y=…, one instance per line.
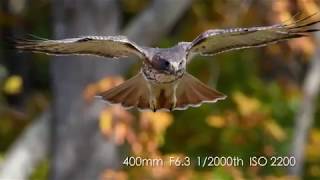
x=164, y=64
x=161, y=64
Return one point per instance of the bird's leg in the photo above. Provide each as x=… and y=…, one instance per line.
x=174, y=97
x=173, y=102
x=152, y=98
x=153, y=104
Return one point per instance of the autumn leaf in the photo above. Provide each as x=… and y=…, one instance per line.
x=246, y=105
x=216, y=121
x=313, y=147
x=101, y=86
x=13, y=85
x=105, y=122
x=120, y=132
x=159, y=120
x=273, y=129
x=155, y=124
x=108, y=83
x=90, y=91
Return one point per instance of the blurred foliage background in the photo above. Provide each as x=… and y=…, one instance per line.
x=264, y=88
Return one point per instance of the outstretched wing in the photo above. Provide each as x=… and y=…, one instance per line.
x=217, y=41
x=106, y=46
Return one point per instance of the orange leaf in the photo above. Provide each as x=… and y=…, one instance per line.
x=120, y=132
x=216, y=121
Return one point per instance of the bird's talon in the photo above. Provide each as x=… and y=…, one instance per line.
x=171, y=108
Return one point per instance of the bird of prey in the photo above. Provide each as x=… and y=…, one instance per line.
x=163, y=82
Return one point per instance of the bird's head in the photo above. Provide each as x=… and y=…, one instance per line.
x=167, y=64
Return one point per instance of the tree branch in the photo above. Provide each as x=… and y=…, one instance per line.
x=305, y=115
x=32, y=145
x=28, y=150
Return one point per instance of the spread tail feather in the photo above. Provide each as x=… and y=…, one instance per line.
x=192, y=92
x=132, y=93
x=188, y=91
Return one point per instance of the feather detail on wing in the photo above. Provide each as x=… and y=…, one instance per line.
x=106, y=46
x=217, y=41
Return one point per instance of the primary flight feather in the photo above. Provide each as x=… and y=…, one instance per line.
x=163, y=82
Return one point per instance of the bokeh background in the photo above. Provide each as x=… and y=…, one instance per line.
x=51, y=126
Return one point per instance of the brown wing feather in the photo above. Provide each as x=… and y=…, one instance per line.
x=106, y=46
x=221, y=40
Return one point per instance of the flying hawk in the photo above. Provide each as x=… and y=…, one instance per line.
x=163, y=82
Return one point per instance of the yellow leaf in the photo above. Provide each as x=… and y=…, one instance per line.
x=105, y=122
x=159, y=120
x=13, y=85
x=315, y=136
x=216, y=121
x=275, y=130
x=312, y=149
x=246, y=105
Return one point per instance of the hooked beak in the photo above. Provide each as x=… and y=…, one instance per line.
x=174, y=68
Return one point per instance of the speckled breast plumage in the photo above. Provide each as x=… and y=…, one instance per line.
x=152, y=74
